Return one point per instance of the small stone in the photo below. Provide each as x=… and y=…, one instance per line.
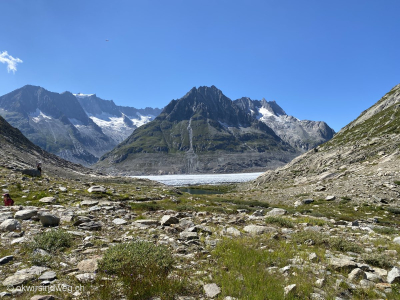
x=258, y=229
x=169, y=220
x=48, y=200
x=330, y=198
x=357, y=274
x=86, y=277
x=6, y=259
x=276, y=212
x=211, y=290
x=289, y=290
x=97, y=189
x=63, y=189
x=147, y=222
x=119, y=221
x=189, y=235
x=49, y=275
x=43, y=297
x=91, y=226
x=89, y=265
x=313, y=257
x=307, y=201
x=396, y=240
x=89, y=202
x=342, y=264
x=233, y=231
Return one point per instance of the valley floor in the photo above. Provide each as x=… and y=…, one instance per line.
x=294, y=240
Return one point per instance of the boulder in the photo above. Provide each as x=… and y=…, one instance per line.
x=48, y=200
x=10, y=225
x=277, y=212
x=394, y=275
x=169, y=220
x=25, y=214
x=31, y=172
x=258, y=229
x=48, y=219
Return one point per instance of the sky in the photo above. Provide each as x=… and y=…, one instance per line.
x=319, y=60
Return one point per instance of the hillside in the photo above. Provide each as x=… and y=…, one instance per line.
x=361, y=162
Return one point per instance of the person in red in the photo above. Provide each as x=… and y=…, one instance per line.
x=7, y=200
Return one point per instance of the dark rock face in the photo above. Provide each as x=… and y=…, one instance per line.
x=204, y=131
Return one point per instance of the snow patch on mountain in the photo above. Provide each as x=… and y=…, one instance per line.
x=38, y=116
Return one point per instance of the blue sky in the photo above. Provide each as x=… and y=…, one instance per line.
x=320, y=60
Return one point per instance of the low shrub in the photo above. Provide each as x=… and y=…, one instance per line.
x=144, y=270
x=53, y=241
x=379, y=260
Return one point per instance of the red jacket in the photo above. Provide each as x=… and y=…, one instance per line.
x=8, y=202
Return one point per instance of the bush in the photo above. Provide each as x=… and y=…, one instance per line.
x=144, y=271
x=137, y=257
x=379, y=260
x=53, y=241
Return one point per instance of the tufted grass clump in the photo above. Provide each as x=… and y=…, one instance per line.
x=379, y=260
x=144, y=270
x=280, y=221
x=53, y=241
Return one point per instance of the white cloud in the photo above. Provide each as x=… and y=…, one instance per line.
x=11, y=62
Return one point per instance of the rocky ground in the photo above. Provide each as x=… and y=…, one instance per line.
x=313, y=241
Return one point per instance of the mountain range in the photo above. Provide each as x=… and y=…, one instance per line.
x=206, y=132
x=79, y=128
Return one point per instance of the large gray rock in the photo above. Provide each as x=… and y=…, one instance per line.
x=189, y=235
x=48, y=219
x=10, y=225
x=97, y=189
x=342, y=264
x=49, y=275
x=394, y=275
x=91, y=226
x=43, y=297
x=211, y=290
x=48, y=200
x=276, y=212
x=147, y=222
x=258, y=229
x=25, y=214
x=169, y=220
x=17, y=279
x=31, y=172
